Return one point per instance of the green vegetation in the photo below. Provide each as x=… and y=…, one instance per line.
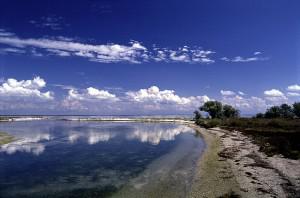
x=277, y=131
x=5, y=138
x=216, y=109
x=3, y=118
x=282, y=111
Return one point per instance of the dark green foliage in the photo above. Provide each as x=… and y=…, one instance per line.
x=213, y=108
x=296, y=109
x=263, y=125
x=282, y=111
x=216, y=109
x=197, y=115
x=230, y=112
x=259, y=115
x=273, y=112
x=286, y=144
x=286, y=111
x=274, y=136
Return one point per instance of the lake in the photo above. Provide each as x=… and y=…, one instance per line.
x=53, y=158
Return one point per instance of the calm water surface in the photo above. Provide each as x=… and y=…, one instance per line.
x=91, y=159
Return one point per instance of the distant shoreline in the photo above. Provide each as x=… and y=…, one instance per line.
x=101, y=119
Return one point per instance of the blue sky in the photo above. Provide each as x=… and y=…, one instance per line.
x=154, y=57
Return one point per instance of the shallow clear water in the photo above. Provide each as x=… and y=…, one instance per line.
x=86, y=159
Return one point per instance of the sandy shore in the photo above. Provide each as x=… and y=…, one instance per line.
x=214, y=177
x=233, y=165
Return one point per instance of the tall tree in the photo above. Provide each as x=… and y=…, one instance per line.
x=197, y=115
x=286, y=111
x=230, y=112
x=296, y=109
x=213, y=108
x=273, y=112
x=259, y=115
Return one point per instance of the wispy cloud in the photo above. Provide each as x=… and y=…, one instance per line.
x=255, y=57
x=293, y=94
x=64, y=87
x=182, y=54
x=9, y=50
x=101, y=53
x=52, y=22
x=227, y=93
x=241, y=93
x=134, y=52
x=4, y=33
x=257, y=53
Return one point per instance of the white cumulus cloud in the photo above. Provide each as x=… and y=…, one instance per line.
x=294, y=87
x=256, y=57
x=13, y=88
x=91, y=93
x=273, y=93
x=275, y=96
x=155, y=95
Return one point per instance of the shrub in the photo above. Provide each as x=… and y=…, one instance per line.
x=296, y=109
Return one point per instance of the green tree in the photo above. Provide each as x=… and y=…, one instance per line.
x=286, y=111
x=296, y=109
x=213, y=108
x=273, y=112
x=259, y=115
x=230, y=112
x=197, y=115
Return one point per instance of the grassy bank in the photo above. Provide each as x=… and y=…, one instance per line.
x=5, y=138
x=274, y=136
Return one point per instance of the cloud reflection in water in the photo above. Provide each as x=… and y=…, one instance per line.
x=151, y=133
x=146, y=133
x=154, y=134
x=28, y=144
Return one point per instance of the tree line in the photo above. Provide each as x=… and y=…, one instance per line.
x=216, y=109
x=282, y=111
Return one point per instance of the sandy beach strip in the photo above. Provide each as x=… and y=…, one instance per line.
x=232, y=165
